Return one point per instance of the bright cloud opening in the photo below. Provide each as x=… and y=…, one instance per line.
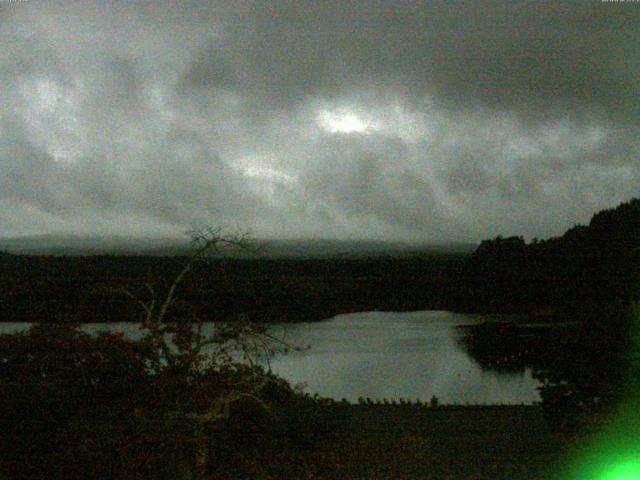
x=343, y=121
x=267, y=173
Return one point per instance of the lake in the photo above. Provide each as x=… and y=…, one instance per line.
x=383, y=355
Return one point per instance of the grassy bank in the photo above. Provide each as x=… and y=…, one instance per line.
x=410, y=442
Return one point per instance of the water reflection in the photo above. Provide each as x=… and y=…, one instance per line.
x=384, y=355
x=393, y=355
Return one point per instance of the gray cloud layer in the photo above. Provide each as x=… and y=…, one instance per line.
x=417, y=120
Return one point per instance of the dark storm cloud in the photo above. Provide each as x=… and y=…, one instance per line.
x=423, y=120
x=537, y=58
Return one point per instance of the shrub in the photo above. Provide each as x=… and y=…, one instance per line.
x=84, y=406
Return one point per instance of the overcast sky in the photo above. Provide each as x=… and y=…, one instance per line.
x=432, y=121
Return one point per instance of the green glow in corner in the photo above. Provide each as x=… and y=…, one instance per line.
x=624, y=470
x=614, y=452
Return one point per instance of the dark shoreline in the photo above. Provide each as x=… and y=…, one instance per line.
x=88, y=289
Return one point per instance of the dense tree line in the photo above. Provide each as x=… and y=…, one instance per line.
x=588, y=265
x=51, y=288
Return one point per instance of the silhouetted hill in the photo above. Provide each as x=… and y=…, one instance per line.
x=588, y=265
x=75, y=245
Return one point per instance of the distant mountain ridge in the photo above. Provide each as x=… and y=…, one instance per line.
x=58, y=244
x=74, y=245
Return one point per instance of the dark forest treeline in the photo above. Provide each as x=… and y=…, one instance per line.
x=89, y=289
x=587, y=266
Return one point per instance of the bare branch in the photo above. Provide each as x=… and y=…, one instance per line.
x=123, y=291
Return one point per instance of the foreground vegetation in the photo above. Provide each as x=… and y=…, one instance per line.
x=81, y=406
x=176, y=403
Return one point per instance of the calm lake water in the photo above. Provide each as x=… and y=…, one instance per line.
x=383, y=355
